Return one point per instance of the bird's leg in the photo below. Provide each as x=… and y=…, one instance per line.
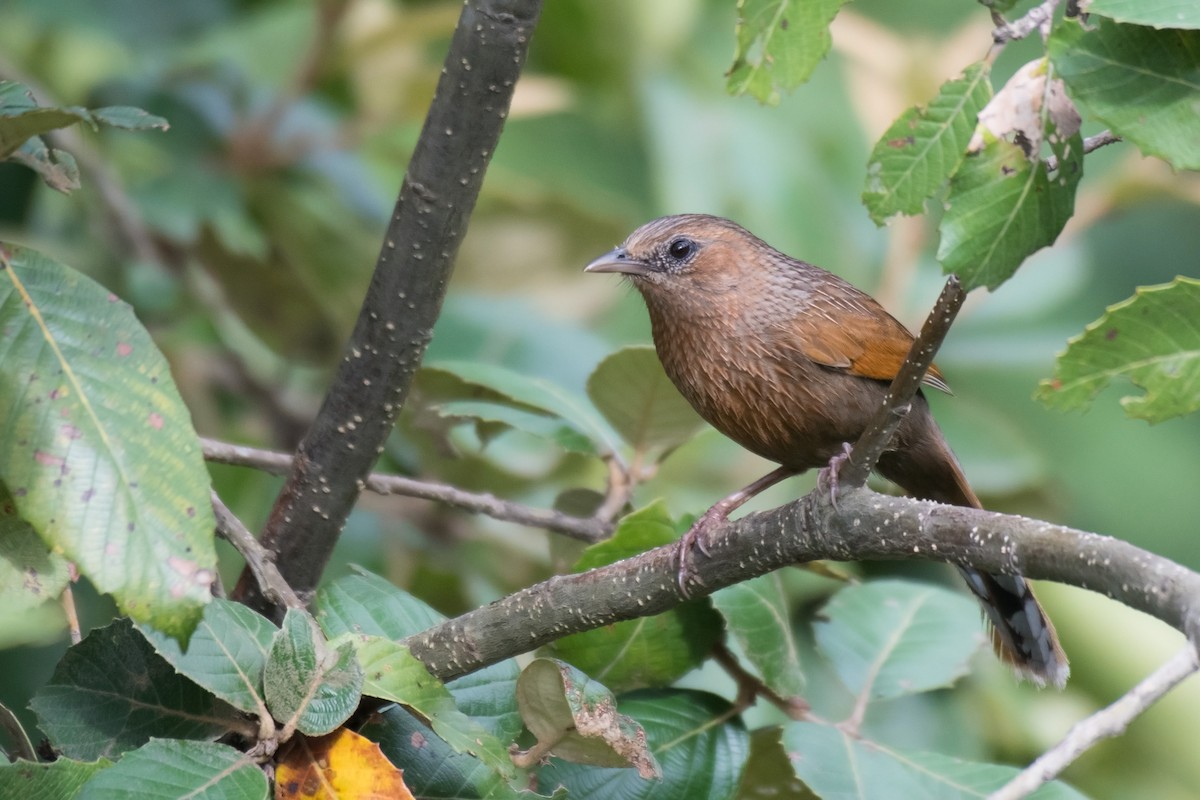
x=827, y=478
x=719, y=513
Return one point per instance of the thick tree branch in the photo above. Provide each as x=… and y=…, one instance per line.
x=406, y=291
x=863, y=525
x=1104, y=724
x=585, y=529
x=896, y=402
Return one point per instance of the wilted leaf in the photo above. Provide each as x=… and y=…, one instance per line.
x=1153, y=339
x=700, y=746
x=575, y=718
x=1031, y=105
x=342, y=764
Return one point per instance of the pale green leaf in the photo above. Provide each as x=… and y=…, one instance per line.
x=1152, y=339
x=779, y=44
x=839, y=766
x=632, y=391
x=891, y=638
x=1155, y=13
x=756, y=613
x=102, y=459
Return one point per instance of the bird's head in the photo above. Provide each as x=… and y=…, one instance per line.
x=693, y=253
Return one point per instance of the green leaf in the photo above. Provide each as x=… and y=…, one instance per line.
x=545, y=426
x=30, y=575
x=892, y=638
x=700, y=746
x=57, y=779
x=469, y=380
x=1153, y=339
x=779, y=44
x=649, y=651
x=226, y=654
x=634, y=394
x=170, y=768
x=924, y=147
x=1142, y=83
x=370, y=605
x=433, y=768
x=393, y=673
x=102, y=458
x=1155, y=13
x=22, y=122
x=575, y=718
x=755, y=612
x=1002, y=208
x=310, y=684
x=111, y=693
x=839, y=766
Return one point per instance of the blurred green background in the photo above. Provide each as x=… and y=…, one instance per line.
x=291, y=123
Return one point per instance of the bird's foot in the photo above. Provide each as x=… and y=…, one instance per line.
x=827, y=478
x=696, y=539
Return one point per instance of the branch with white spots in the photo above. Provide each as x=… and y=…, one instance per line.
x=864, y=525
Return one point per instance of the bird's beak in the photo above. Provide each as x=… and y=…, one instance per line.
x=618, y=260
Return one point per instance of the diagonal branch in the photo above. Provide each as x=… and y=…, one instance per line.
x=896, y=402
x=406, y=291
x=863, y=525
x=1104, y=724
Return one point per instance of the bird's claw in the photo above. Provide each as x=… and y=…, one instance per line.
x=828, y=479
x=695, y=539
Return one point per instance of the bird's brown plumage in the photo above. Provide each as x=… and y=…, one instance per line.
x=791, y=361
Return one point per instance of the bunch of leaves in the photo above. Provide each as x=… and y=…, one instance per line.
x=1006, y=165
x=24, y=124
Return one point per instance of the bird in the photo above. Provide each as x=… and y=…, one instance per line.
x=791, y=361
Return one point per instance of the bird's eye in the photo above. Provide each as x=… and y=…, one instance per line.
x=681, y=248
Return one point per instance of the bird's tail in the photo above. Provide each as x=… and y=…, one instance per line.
x=1022, y=634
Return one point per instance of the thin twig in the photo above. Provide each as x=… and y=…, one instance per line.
x=1104, y=724
x=879, y=432
x=751, y=687
x=1038, y=18
x=1089, y=144
x=68, y=605
x=590, y=530
x=258, y=560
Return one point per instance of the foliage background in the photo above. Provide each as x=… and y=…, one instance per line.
x=622, y=115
